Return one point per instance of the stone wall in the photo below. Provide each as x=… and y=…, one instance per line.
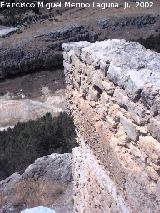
x=114, y=96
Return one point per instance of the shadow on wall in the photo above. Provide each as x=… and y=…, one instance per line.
x=22, y=145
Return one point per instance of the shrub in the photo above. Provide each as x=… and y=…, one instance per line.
x=26, y=142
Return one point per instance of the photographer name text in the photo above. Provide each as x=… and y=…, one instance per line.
x=68, y=4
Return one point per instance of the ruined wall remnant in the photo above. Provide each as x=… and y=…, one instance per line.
x=114, y=96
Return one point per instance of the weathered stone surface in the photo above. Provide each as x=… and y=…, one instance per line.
x=98, y=191
x=150, y=146
x=92, y=94
x=129, y=128
x=150, y=97
x=108, y=87
x=46, y=182
x=121, y=98
x=154, y=128
x=116, y=168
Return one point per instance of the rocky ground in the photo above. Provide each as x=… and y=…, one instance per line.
x=46, y=182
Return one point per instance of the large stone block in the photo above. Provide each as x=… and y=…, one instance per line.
x=154, y=128
x=130, y=128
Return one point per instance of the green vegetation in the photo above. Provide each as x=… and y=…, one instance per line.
x=33, y=65
x=21, y=145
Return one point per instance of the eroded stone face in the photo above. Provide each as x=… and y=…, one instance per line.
x=47, y=182
x=113, y=94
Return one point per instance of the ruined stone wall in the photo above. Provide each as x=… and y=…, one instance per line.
x=114, y=96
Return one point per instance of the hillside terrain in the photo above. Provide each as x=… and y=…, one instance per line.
x=37, y=46
x=33, y=105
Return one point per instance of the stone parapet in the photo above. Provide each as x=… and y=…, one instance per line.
x=114, y=96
